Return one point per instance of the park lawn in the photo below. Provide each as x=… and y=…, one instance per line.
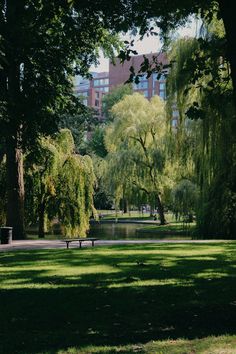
x=127, y=216
x=172, y=228
x=132, y=215
x=166, y=298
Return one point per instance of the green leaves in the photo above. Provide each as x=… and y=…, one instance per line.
x=60, y=182
x=135, y=141
x=113, y=97
x=195, y=112
x=200, y=89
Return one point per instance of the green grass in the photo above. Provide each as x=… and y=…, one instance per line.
x=112, y=215
x=152, y=299
x=136, y=215
x=172, y=228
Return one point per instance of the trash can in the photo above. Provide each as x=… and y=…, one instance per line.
x=6, y=235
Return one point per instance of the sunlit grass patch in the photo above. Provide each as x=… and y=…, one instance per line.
x=208, y=345
x=173, y=228
x=119, y=299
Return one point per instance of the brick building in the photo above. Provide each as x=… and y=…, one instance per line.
x=93, y=90
x=119, y=74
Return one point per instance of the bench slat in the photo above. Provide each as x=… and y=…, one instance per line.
x=80, y=240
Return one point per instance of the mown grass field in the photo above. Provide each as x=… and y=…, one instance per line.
x=162, y=298
x=172, y=228
x=135, y=215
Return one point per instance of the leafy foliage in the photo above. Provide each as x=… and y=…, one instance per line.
x=57, y=45
x=136, y=145
x=200, y=86
x=59, y=185
x=78, y=124
x=184, y=197
x=42, y=45
x=96, y=143
x=113, y=97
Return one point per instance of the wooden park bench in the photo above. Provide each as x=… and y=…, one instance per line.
x=80, y=240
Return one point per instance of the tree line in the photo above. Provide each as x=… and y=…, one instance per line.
x=43, y=44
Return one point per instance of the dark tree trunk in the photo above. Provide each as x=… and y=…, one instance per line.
x=41, y=213
x=227, y=11
x=160, y=210
x=14, y=157
x=125, y=206
x=15, y=189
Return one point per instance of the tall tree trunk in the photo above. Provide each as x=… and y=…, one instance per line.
x=125, y=205
x=41, y=213
x=15, y=189
x=227, y=11
x=160, y=210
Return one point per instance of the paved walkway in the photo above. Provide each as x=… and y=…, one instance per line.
x=47, y=244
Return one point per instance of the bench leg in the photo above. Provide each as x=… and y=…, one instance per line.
x=93, y=243
x=80, y=244
x=67, y=245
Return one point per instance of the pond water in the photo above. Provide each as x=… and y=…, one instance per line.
x=115, y=231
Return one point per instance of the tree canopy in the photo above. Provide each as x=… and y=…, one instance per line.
x=59, y=184
x=200, y=85
x=42, y=45
x=113, y=97
x=136, y=140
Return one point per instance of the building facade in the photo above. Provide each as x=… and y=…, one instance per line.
x=92, y=91
x=154, y=85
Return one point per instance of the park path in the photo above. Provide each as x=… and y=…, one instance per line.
x=50, y=244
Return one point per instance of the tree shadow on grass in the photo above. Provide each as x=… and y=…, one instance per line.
x=138, y=298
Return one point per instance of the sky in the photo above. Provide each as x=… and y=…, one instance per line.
x=148, y=44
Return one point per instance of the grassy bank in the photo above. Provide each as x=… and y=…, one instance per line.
x=163, y=298
x=172, y=228
x=132, y=215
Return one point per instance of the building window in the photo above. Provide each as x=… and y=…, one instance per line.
x=145, y=93
x=162, y=77
x=143, y=78
x=103, y=89
x=85, y=102
x=158, y=77
x=154, y=78
x=162, y=94
x=141, y=85
x=96, y=103
x=97, y=94
x=101, y=82
x=162, y=86
x=82, y=93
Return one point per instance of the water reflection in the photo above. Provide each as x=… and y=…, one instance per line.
x=115, y=231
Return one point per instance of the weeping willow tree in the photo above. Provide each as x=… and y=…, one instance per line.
x=42, y=166
x=184, y=196
x=59, y=184
x=205, y=143
x=74, y=200
x=136, y=140
x=119, y=180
